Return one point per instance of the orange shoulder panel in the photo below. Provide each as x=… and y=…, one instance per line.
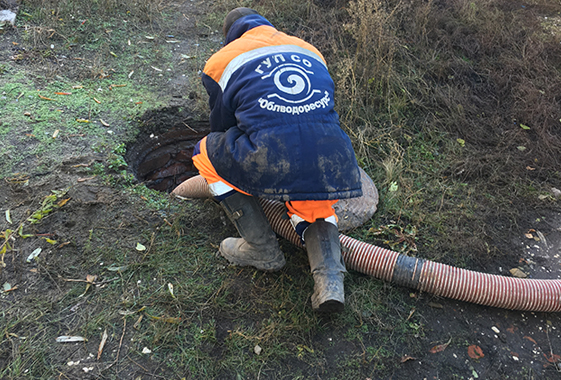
x=255, y=38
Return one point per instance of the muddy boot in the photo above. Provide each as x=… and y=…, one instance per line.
x=326, y=263
x=258, y=246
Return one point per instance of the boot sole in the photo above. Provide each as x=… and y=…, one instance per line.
x=266, y=266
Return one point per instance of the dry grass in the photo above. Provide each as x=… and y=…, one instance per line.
x=474, y=69
x=438, y=97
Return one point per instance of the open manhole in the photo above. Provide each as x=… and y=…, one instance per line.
x=161, y=155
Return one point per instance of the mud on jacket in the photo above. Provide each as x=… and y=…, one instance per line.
x=274, y=132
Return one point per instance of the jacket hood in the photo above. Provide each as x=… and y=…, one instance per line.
x=243, y=24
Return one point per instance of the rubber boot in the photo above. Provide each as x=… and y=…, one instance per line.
x=258, y=246
x=326, y=263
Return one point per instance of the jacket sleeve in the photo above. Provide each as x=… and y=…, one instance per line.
x=221, y=118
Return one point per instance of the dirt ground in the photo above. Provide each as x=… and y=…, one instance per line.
x=100, y=225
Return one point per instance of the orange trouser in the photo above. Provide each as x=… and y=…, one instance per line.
x=304, y=212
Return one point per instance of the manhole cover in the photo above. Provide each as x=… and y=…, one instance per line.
x=161, y=155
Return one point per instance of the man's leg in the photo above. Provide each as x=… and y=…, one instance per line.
x=258, y=246
x=316, y=223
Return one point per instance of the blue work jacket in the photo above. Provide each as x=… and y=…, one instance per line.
x=274, y=132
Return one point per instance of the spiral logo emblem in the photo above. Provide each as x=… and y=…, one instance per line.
x=292, y=80
x=296, y=78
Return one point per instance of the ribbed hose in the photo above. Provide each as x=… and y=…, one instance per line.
x=424, y=275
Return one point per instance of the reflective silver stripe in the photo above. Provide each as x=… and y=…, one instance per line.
x=295, y=220
x=244, y=58
x=219, y=188
x=332, y=219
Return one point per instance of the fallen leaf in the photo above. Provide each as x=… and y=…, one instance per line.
x=105, y=124
x=45, y=98
x=530, y=339
x=440, y=347
x=102, y=344
x=137, y=323
x=89, y=282
x=530, y=168
x=90, y=278
x=34, y=254
x=554, y=358
x=521, y=148
x=63, y=202
x=171, y=320
x=85, y=179
x=406, y=358
x=126, y=312
x=8, y=217
x=55, y=134
x=524, y=126
x=83, y=121
x=63, y=93
x=518, y=273
x=165, y=319
x=70, y=339
x=114, y=268
x=22, y=235
x=529, y=235
x=97, y=101
x=170, y=288
x=6, y=286
x=475, y=352
x=140, y=247
x=146, y=350
x=462, y=142
x=257, y=349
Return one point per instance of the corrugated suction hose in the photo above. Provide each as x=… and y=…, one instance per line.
x=424, y=275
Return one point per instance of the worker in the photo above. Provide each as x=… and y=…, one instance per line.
x=274, y=134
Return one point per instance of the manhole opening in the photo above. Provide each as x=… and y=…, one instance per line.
x=160, y=156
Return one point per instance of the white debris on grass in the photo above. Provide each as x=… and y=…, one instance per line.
x=7, y=16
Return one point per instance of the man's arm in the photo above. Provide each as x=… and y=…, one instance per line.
x=221, y=118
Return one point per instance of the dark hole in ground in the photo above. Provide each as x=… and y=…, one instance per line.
x=161, y=154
